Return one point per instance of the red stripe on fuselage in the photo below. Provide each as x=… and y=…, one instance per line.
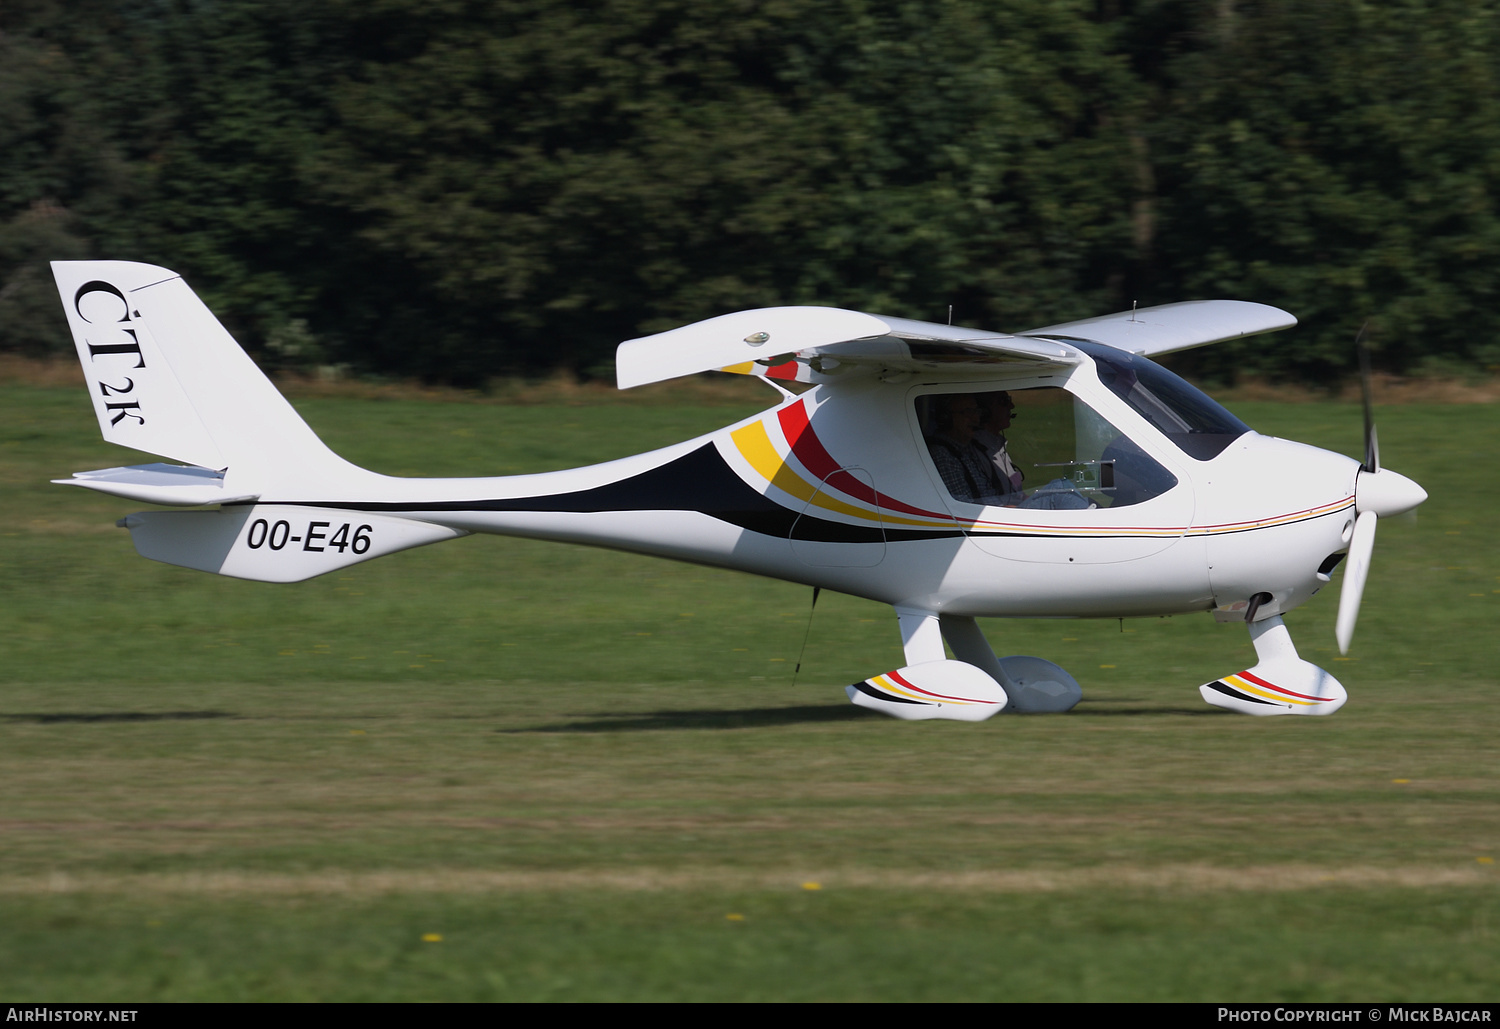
x=816, y=459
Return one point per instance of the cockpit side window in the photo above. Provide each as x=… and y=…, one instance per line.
x=1036, y=448
x=1196, y=423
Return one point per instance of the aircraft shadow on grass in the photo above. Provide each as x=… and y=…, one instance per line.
x=769, y=717
x=727, y=718
x=57, y=717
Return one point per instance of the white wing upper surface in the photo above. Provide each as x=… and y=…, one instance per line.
x=805, y=343
x=801, y=342
x=735, y=338
x=1161, y=330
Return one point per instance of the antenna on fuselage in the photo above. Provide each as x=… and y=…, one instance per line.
x=950, y=314
x=798, y=670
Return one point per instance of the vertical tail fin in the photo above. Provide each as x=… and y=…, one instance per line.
x=165, y=377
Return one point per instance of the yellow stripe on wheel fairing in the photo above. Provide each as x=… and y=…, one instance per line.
x=1254, y=690
x=892, y=688
x=885, y=683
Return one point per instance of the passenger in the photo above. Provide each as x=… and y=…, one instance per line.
x=965, y=467
x=970, y=452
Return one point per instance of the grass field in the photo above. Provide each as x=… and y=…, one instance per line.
x=500, y=769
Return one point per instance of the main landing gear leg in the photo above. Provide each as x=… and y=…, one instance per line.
x=931, y=685
x=1281, y=683
x=1033, y=684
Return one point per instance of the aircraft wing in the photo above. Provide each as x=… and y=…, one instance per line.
x=1161, y=330
x=812, y=344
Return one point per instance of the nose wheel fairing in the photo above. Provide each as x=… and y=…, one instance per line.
x=1281, y=683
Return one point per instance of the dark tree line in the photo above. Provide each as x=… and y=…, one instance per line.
x=456, y=190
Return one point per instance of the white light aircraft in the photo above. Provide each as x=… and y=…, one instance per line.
x=952, y=473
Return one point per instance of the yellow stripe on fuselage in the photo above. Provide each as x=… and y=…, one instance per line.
x=754, y=444
x=1275, y=520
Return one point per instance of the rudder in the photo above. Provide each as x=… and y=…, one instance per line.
x=167, y=378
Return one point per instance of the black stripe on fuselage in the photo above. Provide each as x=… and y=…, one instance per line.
x=698, y=481
x=702, y=481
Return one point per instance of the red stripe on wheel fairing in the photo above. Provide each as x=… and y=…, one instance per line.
x=929, y=693
x=1279, y=689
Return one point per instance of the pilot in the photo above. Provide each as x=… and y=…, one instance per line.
x=995, y=413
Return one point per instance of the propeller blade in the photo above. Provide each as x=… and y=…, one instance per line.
x=1356, y=570
x=1372, y=445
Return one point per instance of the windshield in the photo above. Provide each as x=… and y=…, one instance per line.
x=1190, y=418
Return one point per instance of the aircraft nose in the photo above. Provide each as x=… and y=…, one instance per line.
x=1386, y=493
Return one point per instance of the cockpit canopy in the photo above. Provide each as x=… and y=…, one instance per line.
x=1196, y=423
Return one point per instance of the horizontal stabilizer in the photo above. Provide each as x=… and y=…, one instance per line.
x=174, y=485
x=1161, y=330
x=275, y=542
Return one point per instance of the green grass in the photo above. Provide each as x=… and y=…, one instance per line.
x=574, y=765
x=787, y=945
